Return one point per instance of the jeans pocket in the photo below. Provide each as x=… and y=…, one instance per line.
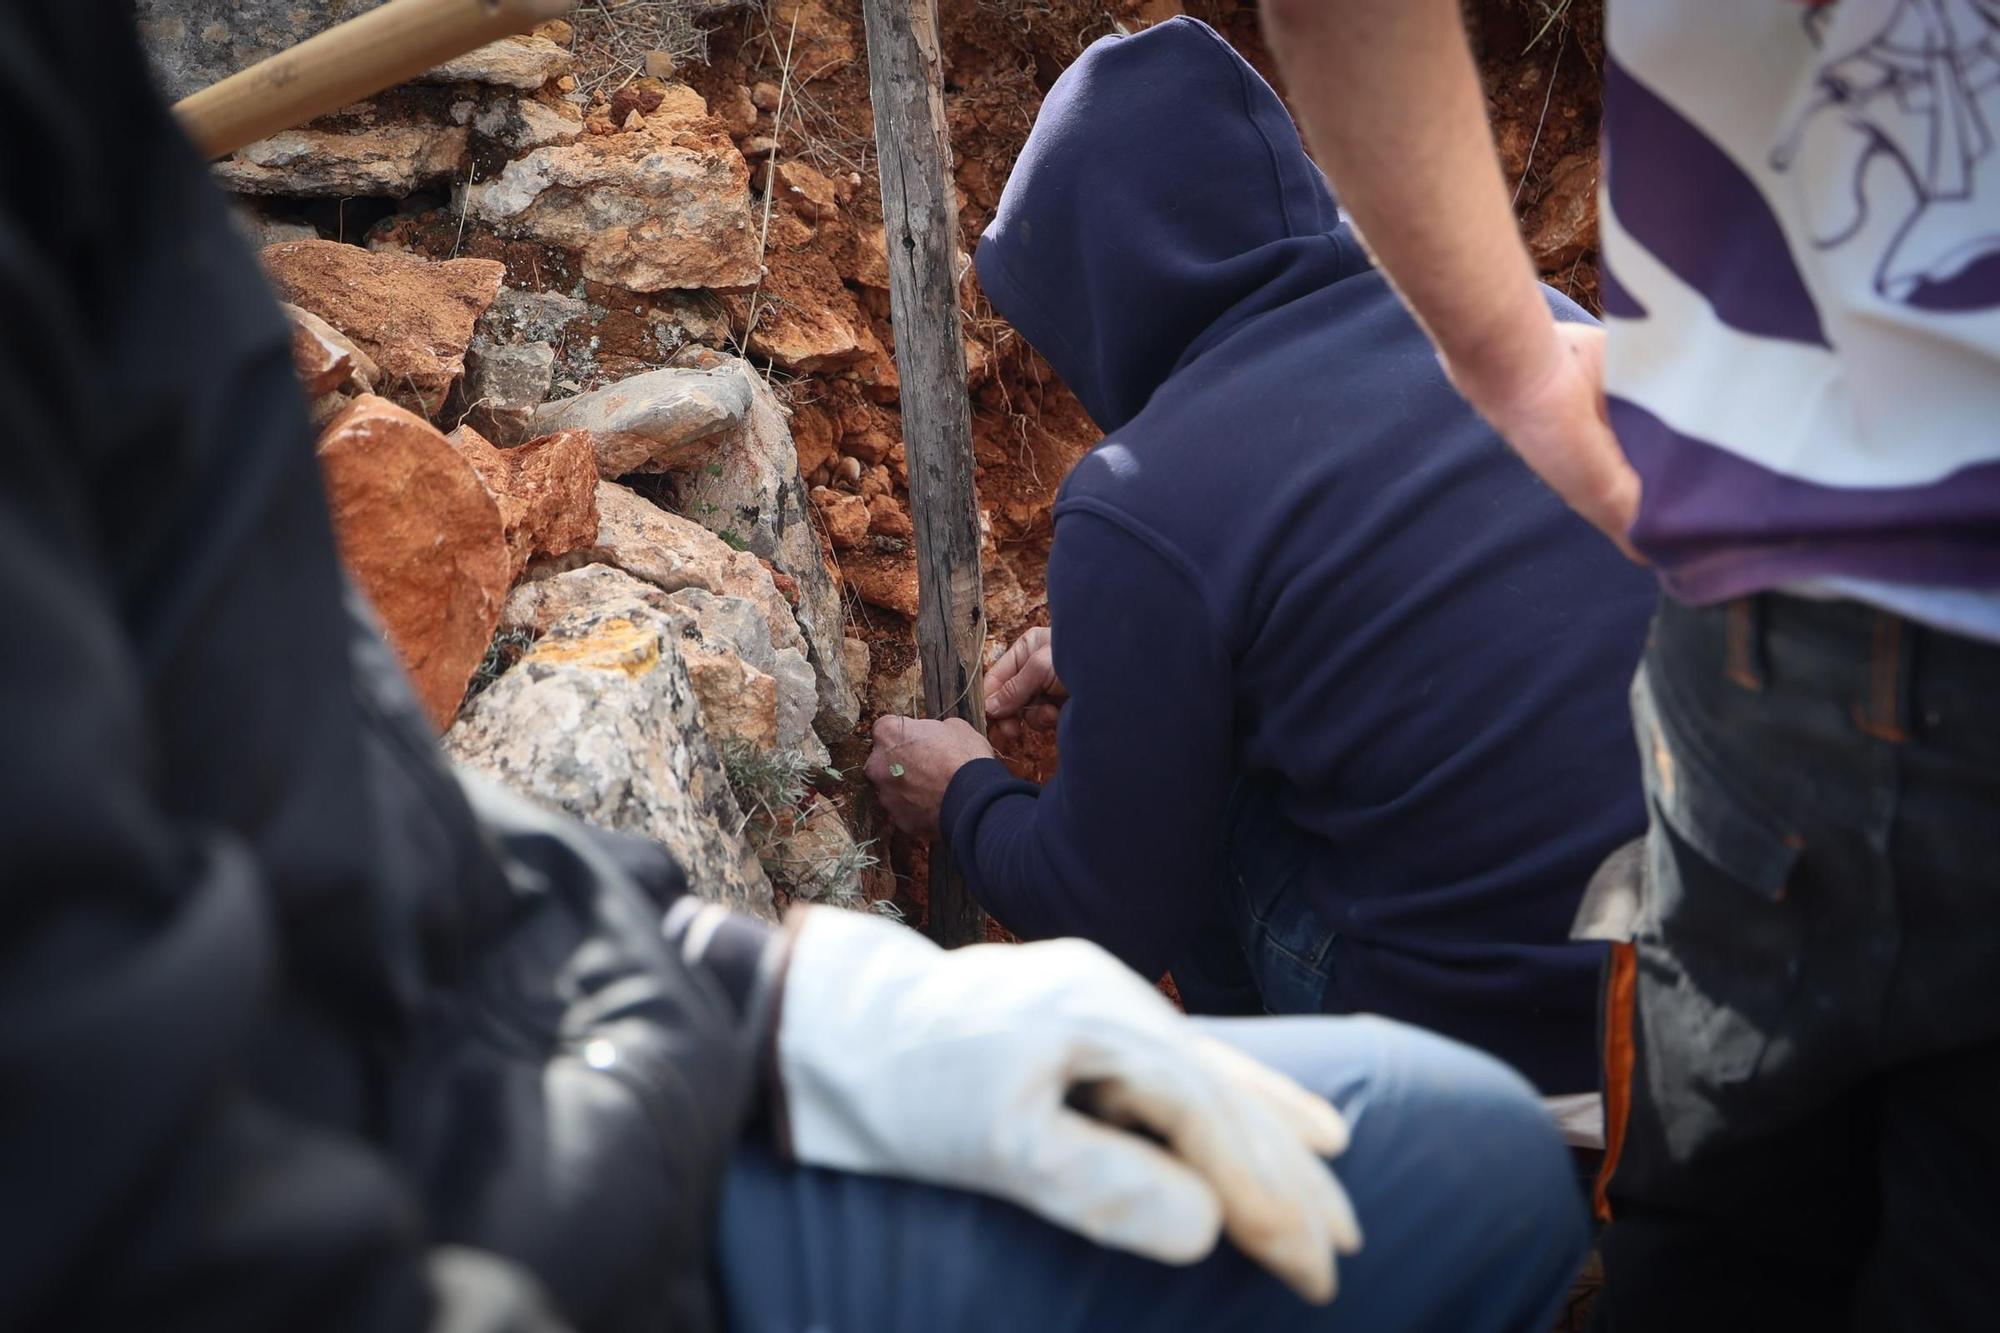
x=1717, y=932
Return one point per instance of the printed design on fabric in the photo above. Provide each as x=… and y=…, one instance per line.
x=1918, y=87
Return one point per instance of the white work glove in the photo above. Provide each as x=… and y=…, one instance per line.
x=968, y=1069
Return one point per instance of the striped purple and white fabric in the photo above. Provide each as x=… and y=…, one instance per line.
x=1801, y=241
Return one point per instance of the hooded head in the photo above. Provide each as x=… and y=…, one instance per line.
x=1163, y=199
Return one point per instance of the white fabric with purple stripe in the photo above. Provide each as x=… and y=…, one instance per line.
x=1801, y=240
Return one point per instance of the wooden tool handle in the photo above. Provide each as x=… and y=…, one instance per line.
x=348, y=62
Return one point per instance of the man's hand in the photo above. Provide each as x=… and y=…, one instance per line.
x=1392, y=105
x=1557, y=421
x=1053, y=1076
x=1022, y=687
x=912, y=764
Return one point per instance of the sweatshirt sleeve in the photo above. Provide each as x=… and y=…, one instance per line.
x=1123, y=846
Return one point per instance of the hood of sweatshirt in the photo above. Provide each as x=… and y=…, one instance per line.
x=1162, y=201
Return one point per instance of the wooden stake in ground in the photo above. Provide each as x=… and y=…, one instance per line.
x=920, y=228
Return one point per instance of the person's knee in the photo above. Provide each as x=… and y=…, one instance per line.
x=1452, y=1150
x=1472, y=1135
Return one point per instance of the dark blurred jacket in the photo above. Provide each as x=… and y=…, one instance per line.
x=290, y=1036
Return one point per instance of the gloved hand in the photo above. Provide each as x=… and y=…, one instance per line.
x=1024, y=1071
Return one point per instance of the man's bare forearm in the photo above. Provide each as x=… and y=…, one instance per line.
x=1393, y=110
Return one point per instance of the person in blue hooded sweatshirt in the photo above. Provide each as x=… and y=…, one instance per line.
x=1340, y=685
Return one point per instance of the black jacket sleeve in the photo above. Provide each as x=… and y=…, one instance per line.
x=293, y=1032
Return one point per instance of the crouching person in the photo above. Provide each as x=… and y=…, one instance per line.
x=1341, y=688
x=298, y=1032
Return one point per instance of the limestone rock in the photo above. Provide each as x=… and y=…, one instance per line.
x=504, y=384
x=543, y=600
x=518, y=316
x=413, y=316
x=751, y=487
x=600, y=721
x=854, y=655
x=639, y=211
x=422, y=538
x=521, y=122
x=655, y=422
x=749, y=690
x=899, y=692
x=672, y=553
x=388, y=160
x=812, y=857
x=845, y=516
x=731, y=627
x=512, y=62
x=546, y=490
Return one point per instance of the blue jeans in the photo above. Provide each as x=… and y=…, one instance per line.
x=1268, y=952
x=1463, y=1191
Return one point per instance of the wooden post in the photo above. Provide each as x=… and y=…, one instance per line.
x=920, y=230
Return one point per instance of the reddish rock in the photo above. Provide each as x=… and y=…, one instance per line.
x=667, y=207
x=1562, y=226
x=806, y=318
x=423, y=538
x=738, y=112
x=808, y=192
x=875, y=481
x=641, y=95
x=887, y=518
x=871, y=446
x=546, y=490
x=787, y=586
x=871, y=258
x=323, y=364
x=845, y=516
x=818, y=37
x=412, y=316
x=882, y=578
x=812, y=436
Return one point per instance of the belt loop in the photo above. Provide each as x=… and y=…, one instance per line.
x=1885, y=714
x=1743, y=628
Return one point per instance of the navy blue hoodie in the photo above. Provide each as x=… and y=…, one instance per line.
x=1297, y=558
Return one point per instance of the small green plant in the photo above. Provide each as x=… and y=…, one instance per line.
x=734, y=539
x=767, y=783
x=771, y=787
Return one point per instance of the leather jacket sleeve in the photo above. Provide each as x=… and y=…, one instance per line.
x=294, y=1031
